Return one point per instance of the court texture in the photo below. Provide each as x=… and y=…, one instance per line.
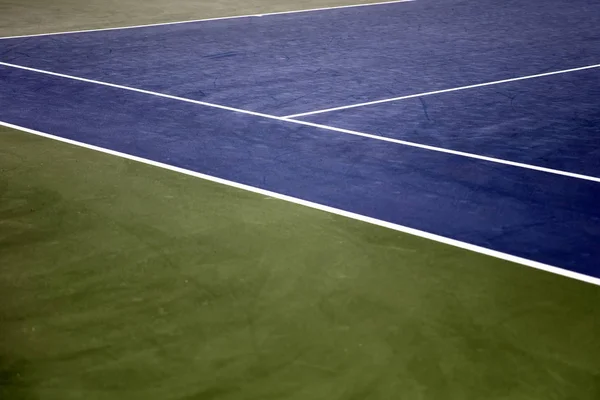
x=300, y=200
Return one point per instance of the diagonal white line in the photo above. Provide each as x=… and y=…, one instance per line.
x=132, y=89
x=324, y=127
x=321, y=207
x=453, y=152
x=209, y=19
x=456, y=89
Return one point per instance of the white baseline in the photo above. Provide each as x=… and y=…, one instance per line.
x=321, y=207
x=320, y=126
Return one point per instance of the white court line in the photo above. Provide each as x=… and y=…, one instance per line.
x=410, y=96
x=321, y=207
x=208, y=19
x=324, y=127
x=453, y=152
x=167, y=96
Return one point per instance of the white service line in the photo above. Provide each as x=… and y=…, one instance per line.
x=315, y=125
x=207, y=19
x=410, y=96
x=321, y=207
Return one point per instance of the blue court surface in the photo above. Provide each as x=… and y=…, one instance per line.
x=486, y=133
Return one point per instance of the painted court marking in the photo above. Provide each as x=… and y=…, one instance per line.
x=456, y=89
x=321, y=207
x=320, y=126
x=209, y=19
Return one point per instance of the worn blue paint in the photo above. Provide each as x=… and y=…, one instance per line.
x=295, y=63
x=287, y=64
x=552, y=122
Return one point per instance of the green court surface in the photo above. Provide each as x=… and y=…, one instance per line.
x=120, y=280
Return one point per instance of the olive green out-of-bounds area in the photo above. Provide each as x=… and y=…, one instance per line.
x=21, y=17
x=119, y=280
x=123, y=281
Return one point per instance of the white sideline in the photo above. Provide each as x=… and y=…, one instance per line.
x=324, y=127
x=207, y=19
x=321, y=207
x=410, y=96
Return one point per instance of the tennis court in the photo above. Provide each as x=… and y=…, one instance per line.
x=350, y=201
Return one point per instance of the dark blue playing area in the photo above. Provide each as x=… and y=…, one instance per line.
x=298, y=63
